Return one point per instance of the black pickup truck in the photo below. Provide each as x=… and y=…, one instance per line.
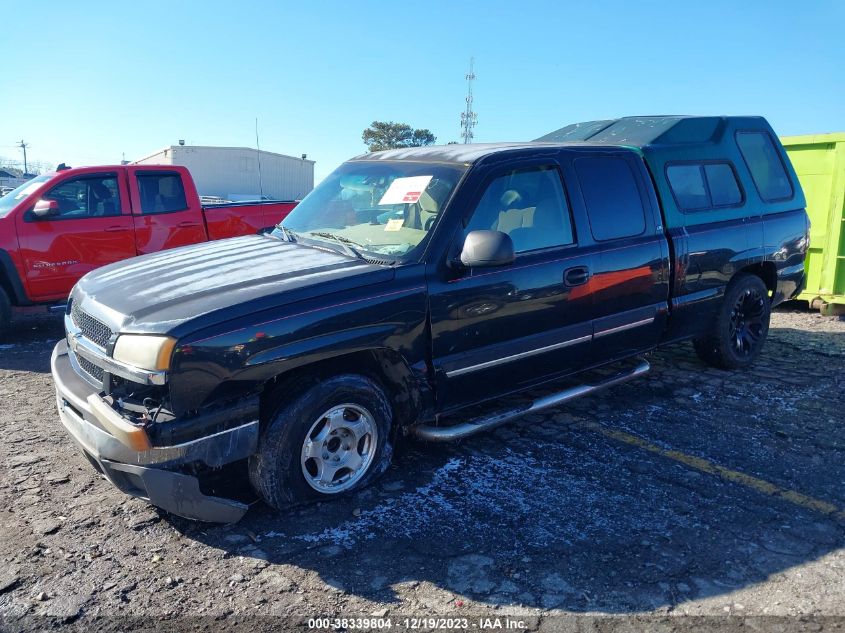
x=414, y=283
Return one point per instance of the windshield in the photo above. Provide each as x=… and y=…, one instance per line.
x=13, y=198
x=382, y=210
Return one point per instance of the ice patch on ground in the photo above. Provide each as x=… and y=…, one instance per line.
x=495, y=493
x=414, y=507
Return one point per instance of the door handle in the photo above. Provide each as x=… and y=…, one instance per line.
x=116, y=229
x=186, y=224
x=577, y=276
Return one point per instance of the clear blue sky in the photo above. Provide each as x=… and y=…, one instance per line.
x=85, y=82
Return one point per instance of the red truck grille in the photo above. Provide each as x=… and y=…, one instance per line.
x=95, y=331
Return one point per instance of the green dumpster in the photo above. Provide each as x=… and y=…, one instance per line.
x=819, y=161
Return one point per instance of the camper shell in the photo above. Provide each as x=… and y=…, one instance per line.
x=667, y=141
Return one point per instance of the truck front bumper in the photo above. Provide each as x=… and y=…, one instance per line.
x=162, y=475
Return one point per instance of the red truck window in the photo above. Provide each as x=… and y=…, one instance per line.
x=86, y=197
x=161, y=193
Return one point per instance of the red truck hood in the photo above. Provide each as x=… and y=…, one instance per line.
x=163, y=292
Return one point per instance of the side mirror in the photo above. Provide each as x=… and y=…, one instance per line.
x=487, y=248
x=45, y=208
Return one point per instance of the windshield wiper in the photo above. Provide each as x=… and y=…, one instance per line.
x=289, y=233
x=344, y=242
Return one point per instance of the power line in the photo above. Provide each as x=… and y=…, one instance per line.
x=469, y=119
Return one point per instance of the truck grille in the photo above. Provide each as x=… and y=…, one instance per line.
x=96, y=373
x=95, y=331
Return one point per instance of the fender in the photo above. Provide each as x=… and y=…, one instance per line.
x=323, y=347
x=412, y=393
x=355, y=349
x=9, y=273
x=221, y=366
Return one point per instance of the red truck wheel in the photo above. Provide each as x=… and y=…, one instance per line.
x=5, y=313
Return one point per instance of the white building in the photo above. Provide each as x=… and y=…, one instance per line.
x=232, y=173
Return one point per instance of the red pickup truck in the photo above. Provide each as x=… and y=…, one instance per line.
x=61, y=225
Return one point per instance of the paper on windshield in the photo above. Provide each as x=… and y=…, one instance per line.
x=405, y=190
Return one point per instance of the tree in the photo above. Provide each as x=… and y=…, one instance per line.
x=389, y=135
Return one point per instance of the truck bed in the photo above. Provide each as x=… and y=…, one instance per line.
x=231, y=219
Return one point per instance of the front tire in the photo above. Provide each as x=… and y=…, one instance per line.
x=5, y=314
x=737, y=336
x=330, y=441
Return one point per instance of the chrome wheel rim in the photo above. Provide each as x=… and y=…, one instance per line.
x=339, y=448
x=747, y=322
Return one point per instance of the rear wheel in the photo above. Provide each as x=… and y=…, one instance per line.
x=5, y=313
x=331, y=440
x=737, y=336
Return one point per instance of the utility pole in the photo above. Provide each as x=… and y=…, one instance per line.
x=23, y=146
x=468, y=117
x=258, y=156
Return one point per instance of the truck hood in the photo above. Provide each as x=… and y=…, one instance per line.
x=185, y=289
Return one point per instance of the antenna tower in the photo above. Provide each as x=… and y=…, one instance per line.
x=469, y=118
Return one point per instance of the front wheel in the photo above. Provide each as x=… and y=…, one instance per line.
x=331, y=440
x=5, y=313
x=737, y=336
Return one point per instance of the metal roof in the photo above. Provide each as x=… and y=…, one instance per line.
x=263, y=152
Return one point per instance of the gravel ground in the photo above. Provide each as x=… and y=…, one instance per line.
x=692, y=491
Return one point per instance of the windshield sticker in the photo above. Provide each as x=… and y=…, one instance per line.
x=28, y=190
x=394, y=225
x=405, y=190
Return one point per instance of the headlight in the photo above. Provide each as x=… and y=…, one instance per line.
x=147, y=352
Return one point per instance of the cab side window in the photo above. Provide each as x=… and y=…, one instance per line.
x=529, y=205
x=86, y=197
x=161, y=193
x=612, y=197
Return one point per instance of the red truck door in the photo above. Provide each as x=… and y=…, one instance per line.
x=90, y=226
x=166, y=209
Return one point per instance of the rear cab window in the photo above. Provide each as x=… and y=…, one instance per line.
x=612, y=197
x=161, y=192
x=764, y=161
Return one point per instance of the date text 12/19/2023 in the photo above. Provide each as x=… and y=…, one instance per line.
x=417, y=624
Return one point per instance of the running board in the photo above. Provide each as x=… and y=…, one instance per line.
x=465, y=429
